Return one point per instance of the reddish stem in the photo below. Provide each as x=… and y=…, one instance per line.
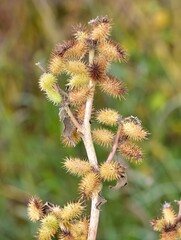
x=38, y=64
x=115, y=145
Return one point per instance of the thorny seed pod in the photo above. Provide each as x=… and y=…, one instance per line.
x=112, y=51
x=168, y=213
x=77, y=52
x=134, y=131
x=80, y=112
x=158, y=224
x=78, y=80
x=101, y=30
x=80, y=33
x=169, y=224
x=102, y=136
x=77, y=166
x=79, y=95
x=104, y=63
x=35, y=209
x=113, y=87
x=96, y=71
x=108, y=116
x=46, y=82
x=111, y=171
x=131, y=152
x=79, y=229
x=71, y=211
x=56, y=64
x=90, y=185
x=76, y=67
x=48, y=228
x=61, y=49
x=53, y=96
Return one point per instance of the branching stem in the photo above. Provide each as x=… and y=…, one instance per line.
x=115, y=146
x=87, y=139
x=61, y=92
x=38, y=64
x=67, y=109
x=73, y=119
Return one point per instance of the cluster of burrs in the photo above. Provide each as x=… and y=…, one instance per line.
x=67, y=222
x=169, y=225
x=86, y=61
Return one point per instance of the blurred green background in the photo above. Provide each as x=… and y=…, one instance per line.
x=30, y=147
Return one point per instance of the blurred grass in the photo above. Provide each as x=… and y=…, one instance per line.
x=30, y=147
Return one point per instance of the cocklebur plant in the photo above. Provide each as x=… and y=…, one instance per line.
x=86, y=60
x=169, y=225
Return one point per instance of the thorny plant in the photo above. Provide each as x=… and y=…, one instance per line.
x=86, y=60
x=169, y=225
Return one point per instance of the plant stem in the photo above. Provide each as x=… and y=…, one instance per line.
x=38, y=64
x=73, y=119
x=94, y=219
x=87, y=139
x=67, y=109
x=61, y=92
x=115, y=145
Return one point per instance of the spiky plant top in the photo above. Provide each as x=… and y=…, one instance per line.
x=169, y=225
x=85, y=60
x=70, y=57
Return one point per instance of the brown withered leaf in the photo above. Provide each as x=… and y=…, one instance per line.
x=68, y=128
x=101, y=201
x=120, y=183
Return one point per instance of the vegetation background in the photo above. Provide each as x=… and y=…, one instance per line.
x=30, y=148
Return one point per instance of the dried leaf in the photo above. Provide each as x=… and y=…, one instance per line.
x=120, y=183
x=68, y=128
x=101, y=201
